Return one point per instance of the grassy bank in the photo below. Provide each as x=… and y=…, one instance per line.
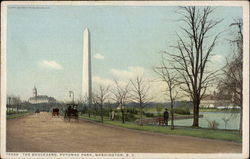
x=182, y=131
x=17, y=115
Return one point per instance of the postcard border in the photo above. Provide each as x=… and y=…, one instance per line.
x=243, y=4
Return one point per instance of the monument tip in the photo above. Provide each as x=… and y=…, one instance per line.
x=86, y=30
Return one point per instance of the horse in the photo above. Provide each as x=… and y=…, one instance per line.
x=37, y=111
x=55, y=112
x=71, y=113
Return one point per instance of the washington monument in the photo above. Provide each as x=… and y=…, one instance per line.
x=86, y=70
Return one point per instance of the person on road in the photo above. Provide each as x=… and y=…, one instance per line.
x=166, y=115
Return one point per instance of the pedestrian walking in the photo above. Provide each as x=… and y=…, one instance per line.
x=166, y=115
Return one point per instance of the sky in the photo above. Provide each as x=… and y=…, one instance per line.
x=44, y=45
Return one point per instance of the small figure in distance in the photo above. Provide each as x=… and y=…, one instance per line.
x=112, y=115
x=166, y=115
x=37, y=111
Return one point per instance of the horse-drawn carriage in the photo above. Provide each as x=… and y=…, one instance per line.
x=37, y=111
x=71, y=112
x=55, y=112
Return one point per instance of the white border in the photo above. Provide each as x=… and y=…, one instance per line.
x=3, y=77
x=244, y=4
x=245, y=124
x=131, y=3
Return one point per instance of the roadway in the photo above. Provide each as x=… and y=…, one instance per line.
x=42, y=133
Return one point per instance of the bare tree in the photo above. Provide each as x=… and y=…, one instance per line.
x=193, y=51
x=139, y=93
x=101, y=97
x=8, y=102
x=170, y=77
x=120, y=96
x=232, y=81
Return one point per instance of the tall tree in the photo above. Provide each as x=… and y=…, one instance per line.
x=139, y=93
x=233, y=72
x=170, y=77
x=101, y=97
x=121, y=96
x=193, y=51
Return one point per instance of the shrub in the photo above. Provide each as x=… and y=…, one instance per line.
x=128, y=116
x=132, y=110
x=11, y=112
x=213, y=124
x=184, y=110
x=148, y=114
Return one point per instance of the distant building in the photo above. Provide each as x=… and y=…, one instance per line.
x=38, y=99
x=215, y=100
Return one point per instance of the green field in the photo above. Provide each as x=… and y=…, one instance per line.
x=182, y=131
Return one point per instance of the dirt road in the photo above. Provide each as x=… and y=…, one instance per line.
x=42, y=133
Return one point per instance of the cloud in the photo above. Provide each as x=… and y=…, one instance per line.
x=217, y=58
x=157, y=87
x=98, y=56
x=50, y=64
x=102, y=81
x=129, y=73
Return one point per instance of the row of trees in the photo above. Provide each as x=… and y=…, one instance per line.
x=135, y=90
x=232, y=81
x=14, y=102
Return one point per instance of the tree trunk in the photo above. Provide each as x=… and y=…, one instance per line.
x=172, y=115
x=101, y=114
x=196, y=113
x=140, y=115
x=123, y=118
x=89, y=110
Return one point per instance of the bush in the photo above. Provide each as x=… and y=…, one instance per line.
x=132, y=110
x=213, y=124
x=148, y=114
x=184, y=110
x=128, y=116
x=11, y=112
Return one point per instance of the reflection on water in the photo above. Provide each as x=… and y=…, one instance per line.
x=233, y=120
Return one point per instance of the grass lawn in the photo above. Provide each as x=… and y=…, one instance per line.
x=17, y=115
x=182, y=131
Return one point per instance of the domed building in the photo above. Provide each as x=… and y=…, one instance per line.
x=38, y=99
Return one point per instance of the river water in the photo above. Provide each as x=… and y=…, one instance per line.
x=233, y=120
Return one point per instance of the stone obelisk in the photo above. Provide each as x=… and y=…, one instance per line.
x=86, y=70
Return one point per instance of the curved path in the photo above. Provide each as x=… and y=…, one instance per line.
x=42, y=133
